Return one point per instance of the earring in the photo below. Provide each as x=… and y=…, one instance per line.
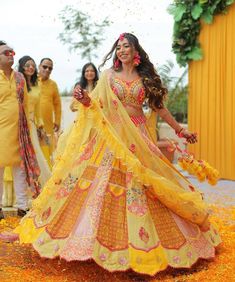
x=117, y=64
x=136, y=60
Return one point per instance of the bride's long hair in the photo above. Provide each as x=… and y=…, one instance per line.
x=154, y=90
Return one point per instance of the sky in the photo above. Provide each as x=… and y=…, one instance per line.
x=32, y=28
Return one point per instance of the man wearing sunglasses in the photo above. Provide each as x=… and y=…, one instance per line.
x=10, y=131
x=50, y=105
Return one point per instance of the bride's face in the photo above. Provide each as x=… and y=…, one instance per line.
x=125, y=51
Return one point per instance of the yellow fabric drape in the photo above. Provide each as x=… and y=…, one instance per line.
x=104, y=137
x=211, y=95
x=106, y=117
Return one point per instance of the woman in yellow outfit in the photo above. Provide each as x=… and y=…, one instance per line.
x=87, y=81
x=27, y=66
x=113, y=196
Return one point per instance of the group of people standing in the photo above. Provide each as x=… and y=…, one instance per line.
x=112, y=196
x=43, y=110
x=41, y=105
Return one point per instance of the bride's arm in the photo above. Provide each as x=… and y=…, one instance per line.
x=180, y=131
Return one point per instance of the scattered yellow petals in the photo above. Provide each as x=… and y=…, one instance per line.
x=22, y=263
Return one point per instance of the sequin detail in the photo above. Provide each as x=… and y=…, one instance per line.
x=130, y=93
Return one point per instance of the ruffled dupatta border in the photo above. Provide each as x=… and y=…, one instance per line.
x=27, y=153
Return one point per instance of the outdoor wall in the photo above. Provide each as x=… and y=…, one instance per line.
x=212, y=95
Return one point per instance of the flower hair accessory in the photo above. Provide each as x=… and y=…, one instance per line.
x=121, y=36
x=136, y=60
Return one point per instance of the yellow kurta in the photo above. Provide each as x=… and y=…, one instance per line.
x=34, y=105
x=9, y=118
x=34, y=121
x=50, y=109
x=50, y=104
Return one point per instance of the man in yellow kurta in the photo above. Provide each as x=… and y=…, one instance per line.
x=9, y=129
x=50, y=105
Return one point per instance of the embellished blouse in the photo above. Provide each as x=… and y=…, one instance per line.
x=130, y=93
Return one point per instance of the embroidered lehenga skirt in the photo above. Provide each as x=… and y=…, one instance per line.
x=102, y=203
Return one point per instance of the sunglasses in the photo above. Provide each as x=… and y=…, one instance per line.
x=47, y=67
x=8, y=53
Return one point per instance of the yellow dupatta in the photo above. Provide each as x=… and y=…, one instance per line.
x=108, y=119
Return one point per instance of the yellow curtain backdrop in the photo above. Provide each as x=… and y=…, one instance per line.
x=211, y=95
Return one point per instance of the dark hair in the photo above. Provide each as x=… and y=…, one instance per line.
x=43, y=59
x=154, y=90
x=83, y=81
x=34, y=77
x=2, y=43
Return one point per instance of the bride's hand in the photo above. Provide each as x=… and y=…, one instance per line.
x=81, y=95
x=189, y=136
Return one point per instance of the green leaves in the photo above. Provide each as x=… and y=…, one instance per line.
x=177, y=11
x=188, y=16
x=195, y=54
x=196, y=11
x=81, y=33
x=207, y=16
x=229, y=2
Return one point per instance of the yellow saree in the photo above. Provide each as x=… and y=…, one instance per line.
x=114, y=198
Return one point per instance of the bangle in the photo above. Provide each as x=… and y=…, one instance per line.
x=178, y=132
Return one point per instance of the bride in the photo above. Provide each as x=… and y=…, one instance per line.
x=113, y=197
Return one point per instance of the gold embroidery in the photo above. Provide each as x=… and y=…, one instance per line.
x=116, y=190
x=168, y=232
x=112, y=230
x=89, y=173
x=118, y=177
x=63, y=223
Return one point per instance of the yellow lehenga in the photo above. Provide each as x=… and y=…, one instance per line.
x=114, y=198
